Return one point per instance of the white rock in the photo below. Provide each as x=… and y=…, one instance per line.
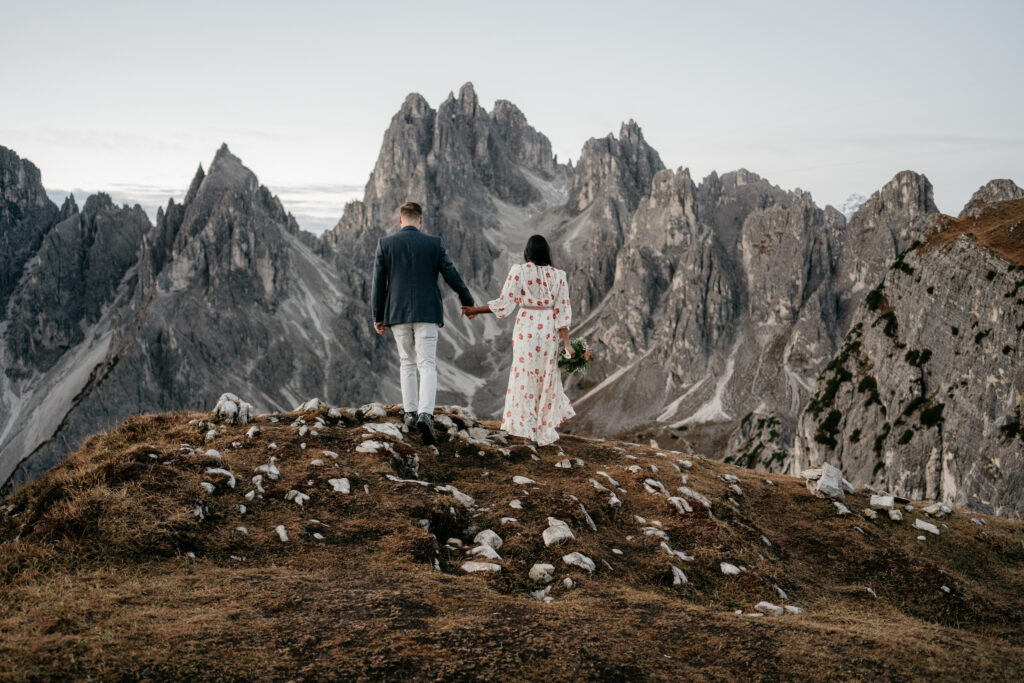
x=768, y=608
x=331, y=454
x=341, y=485
x=882, y=502
x=793, y=609
x=925, y=526
x=766, y=540
x=297, y=496
x=841, y=509
x=616, y=551
x=485, y=551
x=385, y=428
x=693, y=495
x=831, y=482
x=310, y=406
x=978, y=521
x=729, y=569
x=470, y=567
x=735, y=488
x=921, y=538
x=656, y=532
x=369, y=446
x=233, y=410
x=542, y=594
x=895, y=515
x=579, y=560
x=945, y=589
x=220, y=470
x=242, y=530
x=282, y=533
x=515, y=504
x=557, y=532
x=316, y=463
x=241, y=509
x=303, y=430
x=253, y=431
x=564, y=464
x=207, y=486
x=373, y=411
x=509, y=520
x=609, y=478
x=676, y=553
x=782, y=594
x=678, y=577
x=614, y=501
x=542, y=573
x=655, y=486
x=213, y=453
x=488, y=537
x=568, y=583
x=258, y=483
x=812, y=473
x=869, y=513
x=318, y=536
x=522, y=481
x=681, y=504
x=270, y=469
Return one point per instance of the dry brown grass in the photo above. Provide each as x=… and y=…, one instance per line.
x=96, y=581
x=999, y=227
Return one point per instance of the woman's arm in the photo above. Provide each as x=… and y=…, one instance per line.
x=473, y=311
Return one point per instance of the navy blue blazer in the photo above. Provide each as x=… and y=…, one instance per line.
x=405, y=279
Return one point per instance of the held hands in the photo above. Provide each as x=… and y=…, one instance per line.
x=379, y=328
x=468, y=312
x=569, y=352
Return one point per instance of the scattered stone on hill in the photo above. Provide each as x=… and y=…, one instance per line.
x=488, y=537
x=297, y=496
x=486, y=551
x=313, y=405
x=373, y=411
x=282, y=533
x=895, y=515
x=580, y=560
x=213, y=453
x=678, y=576
x=233, y=410
x=840, y=508
x=881, y=502
x=768, y=608
x=926, y=526
x=470, y=567
x=693, y=495
x=522, y=481
x=829, y=484
x=369, y=446
x=385, y=428
x=542, y=573
x=869, y=513
x=729, y=569
x=222, y=471
x=938, y=510
x=793, y=609
x=557, y=532
x=270, y=469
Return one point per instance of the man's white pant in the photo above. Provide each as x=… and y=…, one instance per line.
x=417, y=348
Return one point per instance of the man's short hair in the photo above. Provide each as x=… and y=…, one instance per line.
x=411, y=211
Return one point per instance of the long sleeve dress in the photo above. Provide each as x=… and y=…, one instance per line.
x=535, y=403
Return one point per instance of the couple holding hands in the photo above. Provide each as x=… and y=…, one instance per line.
x=406, y=299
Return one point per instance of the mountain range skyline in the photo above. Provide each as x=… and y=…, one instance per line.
x=835, y=102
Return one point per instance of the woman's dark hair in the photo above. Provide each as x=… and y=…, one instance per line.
x=537, y=251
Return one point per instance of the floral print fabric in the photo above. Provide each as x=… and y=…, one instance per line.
x=535, y=403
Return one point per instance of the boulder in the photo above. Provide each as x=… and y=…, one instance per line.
x=830, y=485
x=579, y=560
x=488, y=537
x=542, y=573
x=471, y=567
x=925, y=526
x=232, y=410
x=766, y=607
x=557, y=532
x=882, y=502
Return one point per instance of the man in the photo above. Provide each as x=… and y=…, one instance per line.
x=406, y=298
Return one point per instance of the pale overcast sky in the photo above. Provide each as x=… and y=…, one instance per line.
x=833, y=97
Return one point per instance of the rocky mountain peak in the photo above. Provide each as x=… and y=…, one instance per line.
x=524, y=144
x=197, y=181
x=68, y=208
x=469, y=103
x=621, y=168
x=998, y=190
x=228, y=172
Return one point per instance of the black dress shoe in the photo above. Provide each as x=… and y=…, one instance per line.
x=425, y=424
x=409, y=420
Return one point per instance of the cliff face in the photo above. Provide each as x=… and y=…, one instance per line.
x=925, y=396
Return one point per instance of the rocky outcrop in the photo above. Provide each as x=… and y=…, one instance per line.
x=26, y=214
x=881, y=228
x=74, y=275
x=925, y=396
x=992, y=192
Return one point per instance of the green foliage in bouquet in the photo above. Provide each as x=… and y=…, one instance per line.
x=579, y=364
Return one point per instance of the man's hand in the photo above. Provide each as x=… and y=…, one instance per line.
x=468, y=311
x=379, y=328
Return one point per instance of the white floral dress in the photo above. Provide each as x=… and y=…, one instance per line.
x=535, y=403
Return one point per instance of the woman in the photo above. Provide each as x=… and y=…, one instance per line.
x=535, y=403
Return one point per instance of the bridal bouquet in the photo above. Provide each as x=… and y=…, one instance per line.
x=579, y=364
